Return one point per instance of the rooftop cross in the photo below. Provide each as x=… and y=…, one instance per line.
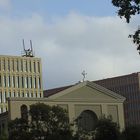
x=84, y=75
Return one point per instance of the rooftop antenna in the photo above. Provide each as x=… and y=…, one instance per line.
x=84, y=75
x=31, y=45
x=28, y=52
x=23, y=44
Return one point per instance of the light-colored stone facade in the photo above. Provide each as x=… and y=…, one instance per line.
x=77, y=99
x=19, y=77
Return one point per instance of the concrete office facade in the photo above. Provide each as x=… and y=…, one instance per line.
x=19, y=77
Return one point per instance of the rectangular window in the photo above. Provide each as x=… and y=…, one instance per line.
x=12, y=65
x=38, y=67
x=22, y=81
x=4, y=81
x=4, y=97
x=34, y=82
x=39, y=83
x=17, y=65
x=0, y=64
x=0, y=97
x=0, y=82
x=13, y=81
x=25, y=82
x=31, y=94
x=34, y=67
x=31, y=82
x=30, y=66
x=8, y=65
x=4, y=65
x=8, y=81
x=21, y=65
x=17, y=81
x=26, y=66
x=8, y=95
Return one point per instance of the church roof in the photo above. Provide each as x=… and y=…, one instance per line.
x=53, y=91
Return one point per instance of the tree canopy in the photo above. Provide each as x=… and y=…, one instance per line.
x=127, y=9
x=46, y=123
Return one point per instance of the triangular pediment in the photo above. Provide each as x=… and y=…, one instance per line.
x=87, y=91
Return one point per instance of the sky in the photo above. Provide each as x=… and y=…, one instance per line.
x=70, y=36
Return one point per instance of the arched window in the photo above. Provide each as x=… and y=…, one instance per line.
x=24, y=112
x=87, y=120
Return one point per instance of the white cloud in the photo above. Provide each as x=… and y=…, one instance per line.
x=72, y=44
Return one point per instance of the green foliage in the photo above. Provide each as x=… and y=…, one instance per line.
x=131, y=133
x=47, y=123
x=127, y=8
x=106, y=130
x=136, y=39
x=3, y=136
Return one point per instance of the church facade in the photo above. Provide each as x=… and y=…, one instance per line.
x=85, y=99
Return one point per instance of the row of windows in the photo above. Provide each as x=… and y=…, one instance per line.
x=20, y=82
x=19, y=65
x=5, y=95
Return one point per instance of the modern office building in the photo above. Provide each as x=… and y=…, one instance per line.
x=129, y=87
x=20, y=76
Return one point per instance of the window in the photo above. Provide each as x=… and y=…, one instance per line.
x=0, y=64
x=87, y=120
x=0, y=82
x=24, y=112
x=34, y=67
x=18, y=94
x=31, y=94
x=30, y=66
x=25, y=65
x=16, y=65
x=38, y=64
x=22, y=81
x=13, y=81
x=25, y=82
x=31, y=82
x=34, y=82
x=12, y=65
x=17, y=81
x=8, y=81
x=8, y=94
x=21, y=65
x=8, y=64
x=4, y=81
x=39, y=84
x=4, y=97
x=4, y=65
x=0, y=97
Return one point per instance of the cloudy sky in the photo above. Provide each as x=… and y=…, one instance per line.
x=70, y=36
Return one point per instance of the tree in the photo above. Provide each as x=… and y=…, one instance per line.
x=47, y=123
x=128, y=8
x=19, y=129
x=106, y=129
x=131, y=133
